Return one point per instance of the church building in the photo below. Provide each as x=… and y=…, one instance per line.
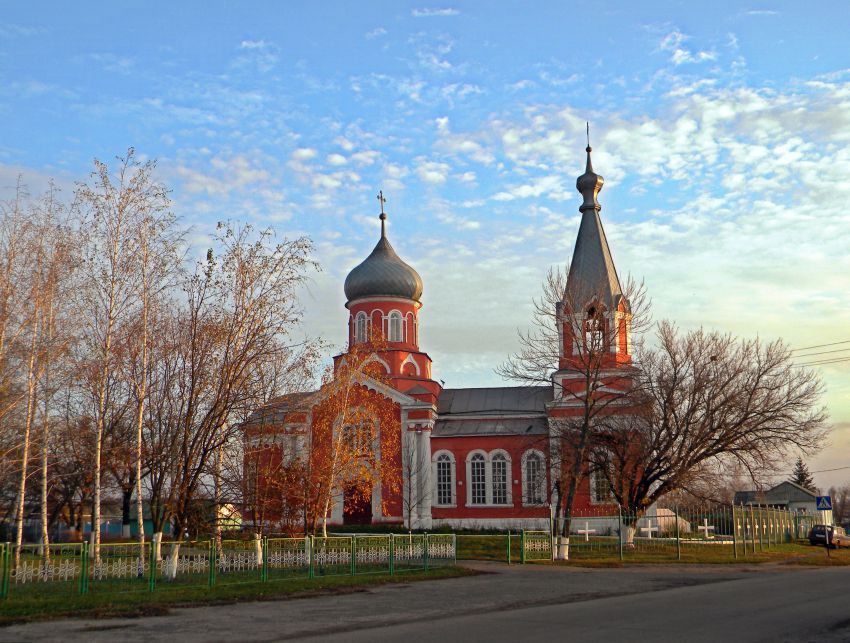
x=478, y=457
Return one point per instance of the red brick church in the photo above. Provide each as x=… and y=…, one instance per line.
x=480, y=457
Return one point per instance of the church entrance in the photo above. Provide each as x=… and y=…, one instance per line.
x=357, y=506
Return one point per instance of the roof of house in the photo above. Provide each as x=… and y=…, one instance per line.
x=781, y=494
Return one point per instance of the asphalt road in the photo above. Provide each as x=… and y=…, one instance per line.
x=516, y=604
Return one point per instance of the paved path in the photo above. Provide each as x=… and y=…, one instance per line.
x=518, y=603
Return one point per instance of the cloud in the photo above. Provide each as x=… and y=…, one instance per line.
x=253, y=44
x=110, y=62
x=433, y=172
x=433, y=13
x=376, y=33
x=304, y=154
x=673, y=42
x=11, y=30
x=336, y=159
x=223, y=176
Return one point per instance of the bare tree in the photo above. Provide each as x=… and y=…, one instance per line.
x=239, y=315
x=578, y=331
x=704, y=399
x=113, y=206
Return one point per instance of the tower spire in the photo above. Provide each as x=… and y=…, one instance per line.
x=589, y=183
x=592, y=273
x=383, y=216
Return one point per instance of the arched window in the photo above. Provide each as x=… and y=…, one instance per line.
x=499, y=477
x=360, y=328
x=594, y=329
x=395, y=334
x=600, y=487
x=534, y=479
x=478, y=480
x=445, y=482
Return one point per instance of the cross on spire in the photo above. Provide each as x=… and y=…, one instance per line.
x=383, y=216
x=588, y=135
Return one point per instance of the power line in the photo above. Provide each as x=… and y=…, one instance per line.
x=837, y=350
x=825, y=361
x=805, y=348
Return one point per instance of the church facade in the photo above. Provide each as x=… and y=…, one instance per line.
x=475, y=457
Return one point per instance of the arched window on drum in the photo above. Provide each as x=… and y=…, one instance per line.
x=360, y=323
x=396, y=330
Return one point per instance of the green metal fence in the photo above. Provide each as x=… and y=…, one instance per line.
x=34, y=570
x=719, y=533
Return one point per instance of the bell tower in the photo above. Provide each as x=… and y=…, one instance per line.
x=594, y=315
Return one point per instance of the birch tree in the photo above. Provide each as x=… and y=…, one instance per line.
x=113, y=207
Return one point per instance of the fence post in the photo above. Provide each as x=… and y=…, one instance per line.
x=354, y=555
x=454, y=549
x=522, y=550
x=265, y=575
x=309, y=543
x=84, y=567
x=152, y=568
x=509, y=546
x=678, y=540
x=392, y=554
x=620, y=529
x=734, y=534
x=212, y=554
x=4, y=578
x=753, y=527
x=425, y=550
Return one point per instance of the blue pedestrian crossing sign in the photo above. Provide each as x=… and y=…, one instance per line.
x=824, y=503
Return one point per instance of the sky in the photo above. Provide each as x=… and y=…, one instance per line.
x=722, y=130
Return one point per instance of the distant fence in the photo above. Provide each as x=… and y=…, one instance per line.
x=718, y=533
x=35, y=570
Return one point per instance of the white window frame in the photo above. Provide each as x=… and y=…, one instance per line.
x=395, y=323
x=488, y=478
x=361, y=328
x=593, y=479
x=452, y=478
x=503, y=457
x=541, y=483
x=469, y=484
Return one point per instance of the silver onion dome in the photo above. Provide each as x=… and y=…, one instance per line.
x=383, y=274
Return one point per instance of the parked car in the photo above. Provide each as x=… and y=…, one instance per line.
x=838, y=537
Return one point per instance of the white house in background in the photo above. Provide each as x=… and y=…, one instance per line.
x=787, y=495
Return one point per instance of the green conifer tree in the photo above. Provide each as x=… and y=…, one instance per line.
x=801, y=475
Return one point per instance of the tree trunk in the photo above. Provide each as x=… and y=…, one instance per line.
x=19, y=532
x=126, y=500
x=45, y=523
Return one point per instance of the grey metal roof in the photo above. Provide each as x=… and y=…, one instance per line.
x=497, y=400
x=490, y=426
x=383, y=273
x=592, y=272
x=276, y=408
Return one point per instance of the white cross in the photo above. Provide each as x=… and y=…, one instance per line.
x=649, y=529
x=705, y=527
x=586, y=531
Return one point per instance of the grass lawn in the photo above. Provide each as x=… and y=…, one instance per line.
x=789, y=554
x=43, y=606
x=605, y=553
